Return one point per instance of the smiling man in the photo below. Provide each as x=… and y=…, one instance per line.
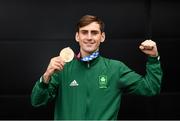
x=89, y=38
x=90, y=86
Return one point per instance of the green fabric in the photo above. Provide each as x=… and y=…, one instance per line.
x=101, y=84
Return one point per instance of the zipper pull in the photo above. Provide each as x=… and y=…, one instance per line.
x=88, y=65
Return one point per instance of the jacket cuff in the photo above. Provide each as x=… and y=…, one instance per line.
x=42, y=84
x=153, y=59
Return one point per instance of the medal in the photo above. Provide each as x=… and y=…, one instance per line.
x=66, y=54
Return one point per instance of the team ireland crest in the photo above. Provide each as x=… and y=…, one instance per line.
x=102, y=81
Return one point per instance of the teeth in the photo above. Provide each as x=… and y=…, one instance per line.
x=67, y=54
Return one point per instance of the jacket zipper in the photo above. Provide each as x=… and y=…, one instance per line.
x=88, y=64
x=87, y=105
x=87, y=94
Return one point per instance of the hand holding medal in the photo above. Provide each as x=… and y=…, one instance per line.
x=57, y=63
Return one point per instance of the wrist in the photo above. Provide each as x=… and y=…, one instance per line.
x=45, y=78
x=154, y=55
x=42, y=84
x=154, y=58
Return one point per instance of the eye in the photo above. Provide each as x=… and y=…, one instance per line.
x=84, y=32
x=94, y=32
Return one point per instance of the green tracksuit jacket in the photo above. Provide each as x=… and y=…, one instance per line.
x=93, y=90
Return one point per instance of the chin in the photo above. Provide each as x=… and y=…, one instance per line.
x=90, y=50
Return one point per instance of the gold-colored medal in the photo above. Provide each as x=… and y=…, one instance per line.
x=67, y=54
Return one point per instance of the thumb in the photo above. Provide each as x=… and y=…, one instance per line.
x=141, y=47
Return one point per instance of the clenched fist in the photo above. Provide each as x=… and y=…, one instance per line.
x=149, y=47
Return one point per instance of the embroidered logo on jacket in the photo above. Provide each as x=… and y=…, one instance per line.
x=73, y=84
x=102, y=81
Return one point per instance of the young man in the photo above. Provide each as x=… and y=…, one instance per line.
x=90, y=86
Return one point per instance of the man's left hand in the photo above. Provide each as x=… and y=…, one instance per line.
x=149, y=47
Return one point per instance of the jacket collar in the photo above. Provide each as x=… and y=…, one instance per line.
x=89, y=63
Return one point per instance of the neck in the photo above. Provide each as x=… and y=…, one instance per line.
x=84, y=54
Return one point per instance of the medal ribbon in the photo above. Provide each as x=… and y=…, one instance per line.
x=89, y=57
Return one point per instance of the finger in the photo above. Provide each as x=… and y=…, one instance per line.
x=62, y=63
x=60, y=60
x=148, y=43
x=57, y=59
x=141, y=47
x=58, y=65
x=146, y=47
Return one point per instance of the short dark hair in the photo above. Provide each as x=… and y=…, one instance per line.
x=87, y=19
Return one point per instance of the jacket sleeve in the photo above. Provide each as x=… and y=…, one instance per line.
x=43, y=93
x=147, y=85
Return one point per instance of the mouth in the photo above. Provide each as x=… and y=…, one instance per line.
x=89, y=43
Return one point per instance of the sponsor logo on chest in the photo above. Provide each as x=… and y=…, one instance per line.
x=102, y=82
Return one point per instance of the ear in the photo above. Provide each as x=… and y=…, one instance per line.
x=103, y=37
x=77, y=37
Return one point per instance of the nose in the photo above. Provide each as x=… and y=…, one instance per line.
x=89, y=36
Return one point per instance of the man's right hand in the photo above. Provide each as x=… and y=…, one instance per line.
x=56, y=64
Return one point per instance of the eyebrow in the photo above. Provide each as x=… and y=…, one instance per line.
x=90, y=30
